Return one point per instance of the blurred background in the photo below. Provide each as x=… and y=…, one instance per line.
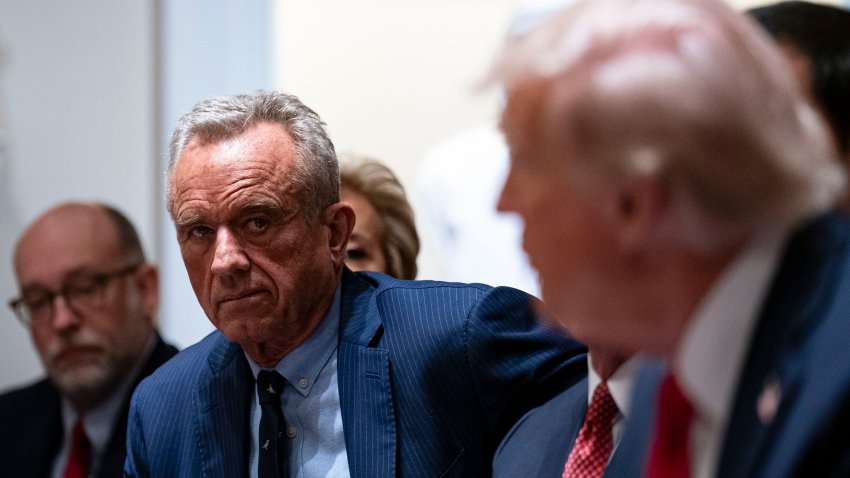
x=89, y=92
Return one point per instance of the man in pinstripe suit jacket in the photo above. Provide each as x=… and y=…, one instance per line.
x=383, y=377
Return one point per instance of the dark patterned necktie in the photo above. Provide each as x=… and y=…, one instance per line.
x=272, y=451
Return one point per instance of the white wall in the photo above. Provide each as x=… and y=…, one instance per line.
x=391, y=78
x=743, y=4
x=77, y=113
x=209, y=48
x=89, y=94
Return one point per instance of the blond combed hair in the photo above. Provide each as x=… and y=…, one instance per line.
x=688, y=91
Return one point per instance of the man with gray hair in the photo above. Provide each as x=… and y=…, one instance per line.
x=315, y=370
x=677, y=193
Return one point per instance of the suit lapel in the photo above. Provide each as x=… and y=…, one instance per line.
x=810, y=434
x=571, y=412
x=365, y=385
x=113, y=458
x=630, y=457
x=803, y=287
x=221, y=405
x=45, y=431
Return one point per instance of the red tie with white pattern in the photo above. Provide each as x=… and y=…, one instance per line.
x=669, y=456
x=79, y=462
x=594, y=444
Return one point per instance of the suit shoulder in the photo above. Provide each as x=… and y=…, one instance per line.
x=563, y=412
x=388, y=288
x=539, y=443
x=384, y=283
x=184, y=368
x=31, y=397
x=449, y=302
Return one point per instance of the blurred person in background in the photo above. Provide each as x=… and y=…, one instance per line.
x=678, y=194
x=384, y=238
x=815, y=38
x=88, y=297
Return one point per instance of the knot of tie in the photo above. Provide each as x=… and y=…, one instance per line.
x=269, y=387
x=602, y=409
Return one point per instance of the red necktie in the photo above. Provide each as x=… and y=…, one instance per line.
x=669, y=458
x=593, y=446
x=80, y=459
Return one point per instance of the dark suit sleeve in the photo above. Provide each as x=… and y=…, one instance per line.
x=517, y=363
x=135, y=465
x=540, y=442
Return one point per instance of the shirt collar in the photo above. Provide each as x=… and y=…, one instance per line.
x=619, y=383
x=714, y=345
x=301, y=366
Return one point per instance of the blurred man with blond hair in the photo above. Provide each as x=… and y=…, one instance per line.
x=677, y=193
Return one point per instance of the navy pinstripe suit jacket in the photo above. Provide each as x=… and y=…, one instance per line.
x=431, y=376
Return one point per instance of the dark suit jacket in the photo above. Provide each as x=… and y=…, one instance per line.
x=31, y=426
x=431, y=375
x=801, y=343
x=541, y=441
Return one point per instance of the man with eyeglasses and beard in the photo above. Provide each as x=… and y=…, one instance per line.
x=88, y=298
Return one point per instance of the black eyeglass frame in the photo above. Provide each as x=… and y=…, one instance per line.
x=99, y=281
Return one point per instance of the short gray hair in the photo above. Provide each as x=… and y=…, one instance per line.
x=223, y=117
x=688, y=91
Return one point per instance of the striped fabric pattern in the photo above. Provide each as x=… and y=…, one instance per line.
x=431, y=376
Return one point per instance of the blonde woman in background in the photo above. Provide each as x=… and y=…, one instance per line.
x=384, y=237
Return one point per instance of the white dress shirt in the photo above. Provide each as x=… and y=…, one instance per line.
x=710, y=358
x=620, y=385
x=99, y=422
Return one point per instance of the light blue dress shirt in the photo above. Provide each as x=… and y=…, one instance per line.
x=315, y=442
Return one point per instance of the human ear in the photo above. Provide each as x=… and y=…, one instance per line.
x=339, y=218
x=147, y=283
x=640, y=208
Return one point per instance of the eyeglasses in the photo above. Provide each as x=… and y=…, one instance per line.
x=82, y=295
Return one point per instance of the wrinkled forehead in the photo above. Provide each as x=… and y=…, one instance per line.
x=265, y=151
